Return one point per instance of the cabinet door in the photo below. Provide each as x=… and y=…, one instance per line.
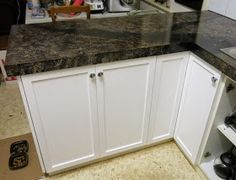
x=168, y=86
x=198, y=94
x=124, y=101
x=64, y=113
x=218, y=6
x=231, y=9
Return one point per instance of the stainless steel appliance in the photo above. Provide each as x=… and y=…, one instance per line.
x=120, y=5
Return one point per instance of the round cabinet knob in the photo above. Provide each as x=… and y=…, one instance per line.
x=92, y=75
x=100, y=74
x=214, y=79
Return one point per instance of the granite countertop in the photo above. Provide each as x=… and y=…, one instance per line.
x=45, y=47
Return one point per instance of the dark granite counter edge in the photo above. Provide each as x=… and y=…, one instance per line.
x=57, y=64
x=90, y=59
x=75, y=44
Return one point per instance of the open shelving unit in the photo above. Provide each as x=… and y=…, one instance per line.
x=229, y=133
x=221, y=137
x=207, y=166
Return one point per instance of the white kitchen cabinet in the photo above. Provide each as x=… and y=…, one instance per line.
x=198, y=95
x=63, y=110
x=79, y=114
x=124, y=101
x=231, y=9
x=168, y=85
x=82, y=114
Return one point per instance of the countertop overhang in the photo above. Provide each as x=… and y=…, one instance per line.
x=53, y=46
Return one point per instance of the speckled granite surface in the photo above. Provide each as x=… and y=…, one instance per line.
x=45, y=47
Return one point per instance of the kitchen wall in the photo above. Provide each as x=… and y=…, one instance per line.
x=223, y=7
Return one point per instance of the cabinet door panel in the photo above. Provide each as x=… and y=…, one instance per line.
x=124, y=103
x=63, y=109
x=198, y=95
x=169, y=80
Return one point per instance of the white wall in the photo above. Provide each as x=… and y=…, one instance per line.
x=224, y=7
x=218, y=6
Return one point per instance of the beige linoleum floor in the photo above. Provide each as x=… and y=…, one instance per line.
x=13, y=120
x=161, y=162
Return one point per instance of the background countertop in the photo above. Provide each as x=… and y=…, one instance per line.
x=52, y=46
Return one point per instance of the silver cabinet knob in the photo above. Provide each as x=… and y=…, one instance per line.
x=100, y=74
x=92, y=75
x=214, y=79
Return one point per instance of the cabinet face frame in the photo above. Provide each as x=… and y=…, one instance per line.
x=38, y=128
x=179, y=62
x=147, y=62
x=30, y=121
x=194, y=158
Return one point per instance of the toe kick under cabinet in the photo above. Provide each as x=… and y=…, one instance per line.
x=84, y=114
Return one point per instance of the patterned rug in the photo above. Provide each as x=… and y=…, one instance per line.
x=31, y=172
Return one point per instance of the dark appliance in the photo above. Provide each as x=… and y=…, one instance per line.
x=194, y=4
x=11, y=12
x=224, y=165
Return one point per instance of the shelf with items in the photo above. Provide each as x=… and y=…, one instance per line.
x=228, y=132
x=220, y=138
